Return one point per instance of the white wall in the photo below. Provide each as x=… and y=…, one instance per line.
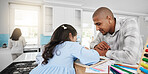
x=4, y=16
x=143, y=28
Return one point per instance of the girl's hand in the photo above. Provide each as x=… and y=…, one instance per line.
x=87, y=48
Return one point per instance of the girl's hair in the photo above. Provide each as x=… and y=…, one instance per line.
x=60, y=35
x=16, y=34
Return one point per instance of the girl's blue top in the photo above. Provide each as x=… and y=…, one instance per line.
x=63, y=59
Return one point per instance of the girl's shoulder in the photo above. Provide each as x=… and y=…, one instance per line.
x=71, y=43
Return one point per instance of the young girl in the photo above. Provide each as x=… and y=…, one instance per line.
x=61, y=51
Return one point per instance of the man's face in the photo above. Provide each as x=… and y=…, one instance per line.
x=102, y=25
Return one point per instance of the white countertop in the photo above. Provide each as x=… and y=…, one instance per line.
x=26, y=57
x=5, y=58
x=32, y=47
x=4, y=50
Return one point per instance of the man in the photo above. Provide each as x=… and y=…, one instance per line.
x=118, y=39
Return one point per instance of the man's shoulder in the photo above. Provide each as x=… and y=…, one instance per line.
x=127, y=22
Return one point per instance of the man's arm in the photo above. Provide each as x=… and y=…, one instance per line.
x=132, y=45
x=96, y=41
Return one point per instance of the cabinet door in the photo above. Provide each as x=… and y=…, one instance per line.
x=47, y=20
x=69, y=14
x=78, y=24
x=58, y=16
x=63, y=15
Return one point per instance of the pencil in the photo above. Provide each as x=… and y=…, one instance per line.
x=116, y=70
x=108, y=69
x=122, y=69
x=112, y=71
x=126, y=66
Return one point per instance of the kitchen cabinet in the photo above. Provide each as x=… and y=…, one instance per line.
x=47, y=20
x=55, y=16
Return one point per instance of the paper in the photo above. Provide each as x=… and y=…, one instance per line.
x=103, y=66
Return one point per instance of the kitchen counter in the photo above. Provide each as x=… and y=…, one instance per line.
x=32, y=48
x=21, y=65
x=6, y=58
x=26, y=57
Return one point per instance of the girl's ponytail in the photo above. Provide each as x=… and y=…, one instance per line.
x=49, y=49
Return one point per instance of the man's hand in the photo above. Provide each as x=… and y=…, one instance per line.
x=102, y=52
x=102, y=46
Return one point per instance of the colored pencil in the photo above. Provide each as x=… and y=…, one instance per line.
x=126, y=66
x=112, y=71
x=122, y=69
x=116, y=70
x=108, y=69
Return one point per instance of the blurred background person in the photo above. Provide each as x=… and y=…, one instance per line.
x=16, y=43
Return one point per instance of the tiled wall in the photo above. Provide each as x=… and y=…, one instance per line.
x=44, y=39
x=3, y=39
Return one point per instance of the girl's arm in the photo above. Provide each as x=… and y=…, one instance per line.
x=85, y=56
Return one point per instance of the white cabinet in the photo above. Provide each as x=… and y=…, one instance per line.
x=78, y=21
x=56, y=16
x=63, y=15
x=47, y=20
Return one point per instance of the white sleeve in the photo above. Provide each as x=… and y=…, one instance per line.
x=86, y=56
x=9, y=44
x=39, y=58
x=96, y=41
x=24, y=41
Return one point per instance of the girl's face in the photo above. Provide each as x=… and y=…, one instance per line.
x=72, y=38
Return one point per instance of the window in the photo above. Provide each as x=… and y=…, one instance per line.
x=88, y=29
x=27, y=19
